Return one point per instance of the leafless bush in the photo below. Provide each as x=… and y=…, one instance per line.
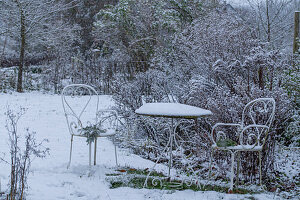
x=21, y=155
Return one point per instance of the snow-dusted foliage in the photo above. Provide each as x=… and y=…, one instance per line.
x=125, y=38
x=8, y=77
x=148, y=87
x=291, y=83
x=132, y=30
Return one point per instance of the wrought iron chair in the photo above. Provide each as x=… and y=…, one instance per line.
x=251, y=133
x=76, y=100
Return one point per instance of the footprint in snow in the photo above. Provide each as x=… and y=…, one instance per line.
x=78, y=194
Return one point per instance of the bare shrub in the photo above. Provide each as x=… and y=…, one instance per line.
x=21, y=155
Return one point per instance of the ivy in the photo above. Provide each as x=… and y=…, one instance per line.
x=92, y=132
x=226, y=143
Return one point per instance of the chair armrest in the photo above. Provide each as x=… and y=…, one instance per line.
x=221, y=133
x=114, y=112
x=107, y=117
x=225, y=124
x=108, y=110
x=250, y=136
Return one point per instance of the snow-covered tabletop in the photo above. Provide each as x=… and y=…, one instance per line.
x=172, y=110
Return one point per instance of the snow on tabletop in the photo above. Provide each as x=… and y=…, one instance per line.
x=172, y=110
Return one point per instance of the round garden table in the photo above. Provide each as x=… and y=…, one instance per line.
x=171, y=110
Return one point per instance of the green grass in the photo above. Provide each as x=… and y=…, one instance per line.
x=113, y=174
x=116, y=184
x=136, y=171
x=138, y=182
x=135, y=178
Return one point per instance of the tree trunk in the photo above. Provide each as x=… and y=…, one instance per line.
x=268, y=22
x=261, y=78
x=296, y=32
x=56, y=77
x=22, y=53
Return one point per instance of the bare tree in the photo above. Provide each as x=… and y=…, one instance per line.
x=274, y=20
x=28, y=22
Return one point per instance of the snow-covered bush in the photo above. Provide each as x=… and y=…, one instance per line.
x=292, y=132
x=150, y=86
x=291, y=136
x=134, y=30
x=8, y=78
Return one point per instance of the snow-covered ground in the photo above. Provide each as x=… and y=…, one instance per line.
x=50, y=179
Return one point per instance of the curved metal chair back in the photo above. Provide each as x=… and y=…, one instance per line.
x=258, y=115
x=74, y=109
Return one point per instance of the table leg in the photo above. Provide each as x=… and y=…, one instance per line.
x=171, y=146
x=151, y=170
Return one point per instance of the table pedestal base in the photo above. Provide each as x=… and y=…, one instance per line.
x=185, y=178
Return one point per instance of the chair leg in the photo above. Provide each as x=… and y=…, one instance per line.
x=232, y=171
x=238, y=167
x=95, y=151
x=70, y=152
x=90, y=156
x=115, y=151
x=260, y=178
x=210, y=163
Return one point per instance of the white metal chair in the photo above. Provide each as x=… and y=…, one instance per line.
x=76, y=100
x=252, y=132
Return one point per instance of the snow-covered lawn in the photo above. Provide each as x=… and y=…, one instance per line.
x=50, y=179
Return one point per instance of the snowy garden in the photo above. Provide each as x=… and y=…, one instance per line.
x=49, y=177
x=139, y=99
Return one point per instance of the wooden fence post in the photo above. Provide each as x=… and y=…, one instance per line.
x=296, y=32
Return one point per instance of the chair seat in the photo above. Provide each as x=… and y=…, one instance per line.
x=108, y=132
x=239, y=147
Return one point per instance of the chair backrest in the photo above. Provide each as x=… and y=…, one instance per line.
x=259, y=114
x=78, y=99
